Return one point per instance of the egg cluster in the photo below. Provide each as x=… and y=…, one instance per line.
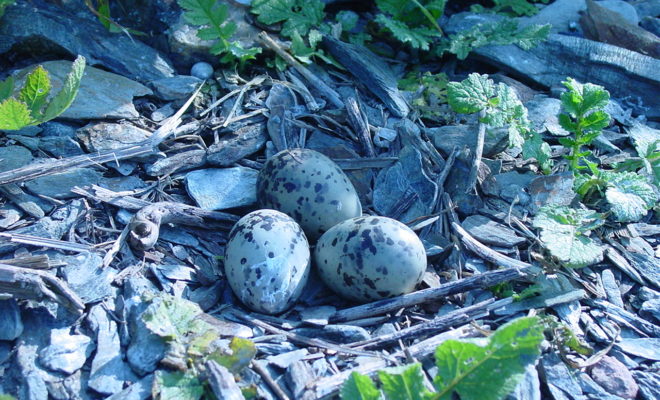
x=303, y=194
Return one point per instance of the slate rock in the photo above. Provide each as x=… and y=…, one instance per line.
x=60, y=146
x=648, y=348
x=86, y=276
x=9, y=215
x=140, y=390
x=554, y=189
x=176, y=87
x=66, y=353
x=12, y=157
x=561, y=14
x=318, y=315
x=510, y=186
x=59, y=185
x=102, y=95
x=146, y=349
x=529, y=387
x=237, y=144
x=344, y=333
x=445, y=138
x=651, y=309
x=404, y=191
x=49, y=28
x=285, y=359
x=614, y=377
x=219, y=189
x=102, y=136
x=623, y=8
x=611, y=288
x=543, y=112
x=560, y=380
x=109, y=372
x=649, y=384
x=592, y=389
x=490, y=232
x=646, y=265
x=10, y=320
x=651, y=24
x=371, y=71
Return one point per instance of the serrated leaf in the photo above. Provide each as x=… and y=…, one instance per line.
x=417, y=37
x=6, y=88
x=470, y=95
x=35, y=90
x=492, y=371
x=564, y=232
x=176, y=385
x=300, y=50
x=63, y=99
x=242, y=353
x=645, y=139
x=359, y=387
x=535, y=147
x=297, y=15
x=403, y=383
x=172, y=318
x=14, y=115
x=596, y=121
x=530, y=36
x=629, y=195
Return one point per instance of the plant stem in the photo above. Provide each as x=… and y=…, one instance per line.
x=478, y=152
x=575, y=150
x=428, y=16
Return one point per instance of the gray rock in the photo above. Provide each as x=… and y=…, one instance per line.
x=109, y=372
x=57, y=128
x=285, y=359
x=510, y=186
x=202, y=70
x=219, y=189
x=530, y=386
x=371, y=71
x=648, y=348
x=49, y=27
x=140, y=390
x=445, y=138
x=236, y=145
x=344, y=333
x=560, y=380
x=10, y=320
x=103, y=136
x=176, y=87
x=624, y=8
x=60, y=146
x=647, y=266
x=318, y=315
x=490, y=232
x=9, y=215
x=649, y=384
x=67, y=353
x=51, y=227
x=146, y=348
x=646, y=8
x=86, y=276
x=554, y=189
x=543, y=113
x=562, y=14
x=651, y=24
x=614, y=377
x=59, y=185
x=102, y=95
x=12, y=157
x=651, y=309
x=593, y=389
x=404, y=191
x=611, y=288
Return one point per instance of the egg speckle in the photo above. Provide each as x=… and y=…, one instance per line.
x=370, y=258
x=267, y=261
x=310, y=188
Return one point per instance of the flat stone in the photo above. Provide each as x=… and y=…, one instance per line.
x=510, y=186
x=490, y=232
x=49, y=28
x=445, y=138
x=102, y=136
x=647, y=266
x=651, y=309
x=611, y=288
x=175, y=87
x=86, y=276
x=10, y=320
x=60, y=146
x=146, y=349
x=109, y=372
x=102, y=95
x=219, y=189
x=560, y=380
x=648, y=348
x=12, y=157
x=9, y=215
x=404, y=191
x=59, y=186
x=345, y=333
x=238, y=144
x=592, y=389
x=543, y=112
x=561, y=14
x=624, y=8
x=140, y=390
x=285, y=359
x=614, y=377
x=318, y=315
x=649, y=384
x=554, y=189
x=67, y=353
x=529, y=387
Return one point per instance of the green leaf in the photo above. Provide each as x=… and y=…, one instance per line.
x=359, y=387
x=596, y=121
x=35, y=90
x=403, y=383
x=471, y=95
x=242, y=353
x=629, y=195
x=63, y=99
x=492, y=371
x=6, y=88
x=172, y=318
x=14, y=115
x=417, y=37
x=535, y=147
x=177, y=385
x=297, y=15
x=348, y=19
x=531, y=36
x=564, y=232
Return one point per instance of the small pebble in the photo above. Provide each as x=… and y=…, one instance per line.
x=202, y=70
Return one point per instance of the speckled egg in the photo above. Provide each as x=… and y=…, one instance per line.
x=370, y=258
x=267, y=261
x=309, y=187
